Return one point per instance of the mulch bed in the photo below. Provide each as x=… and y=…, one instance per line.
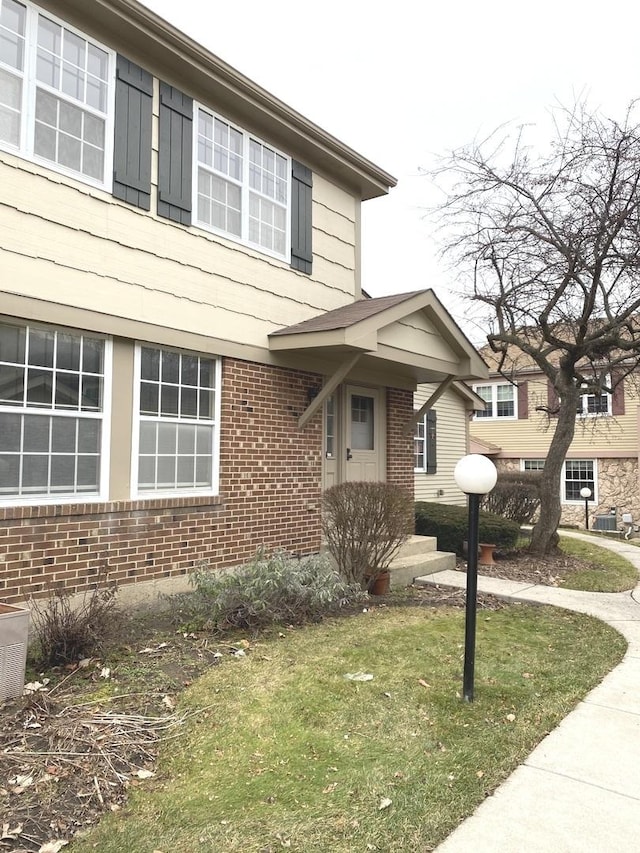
x=74, y=745
x=519, y=565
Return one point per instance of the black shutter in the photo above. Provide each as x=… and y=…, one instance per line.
x=175, y=155
x=301, y=184
x=432, y=457
x=132, y=142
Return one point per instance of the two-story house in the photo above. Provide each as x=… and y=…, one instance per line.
x=186, y=359
x=516, y=425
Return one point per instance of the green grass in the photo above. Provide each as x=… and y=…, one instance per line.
x=290, y=754
x=610, y=573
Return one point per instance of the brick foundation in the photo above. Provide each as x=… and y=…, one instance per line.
x=270, y=484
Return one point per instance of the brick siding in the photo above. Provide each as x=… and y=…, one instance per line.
x=399, y=443
x=270, y=483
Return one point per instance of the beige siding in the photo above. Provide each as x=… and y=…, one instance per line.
x=451, y=446
x=416, y=334
x=612, y=435
x=97, y=253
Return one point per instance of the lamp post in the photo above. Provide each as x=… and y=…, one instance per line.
x=475, y=475
x=585, y=492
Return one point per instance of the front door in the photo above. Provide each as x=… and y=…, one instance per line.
x=364, y=434
x=354, y=435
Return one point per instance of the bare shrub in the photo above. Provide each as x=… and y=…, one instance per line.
x=364, y=524
x=67, y=630
x=516, y=496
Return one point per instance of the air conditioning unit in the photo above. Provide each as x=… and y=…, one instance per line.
x=606, y=522
x=14, y=636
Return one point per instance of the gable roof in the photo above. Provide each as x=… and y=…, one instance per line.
x=411, y=332
x=347, y=315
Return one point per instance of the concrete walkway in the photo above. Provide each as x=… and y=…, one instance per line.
x=579, y=790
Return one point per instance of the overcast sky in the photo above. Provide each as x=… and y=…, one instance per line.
x=405, y=81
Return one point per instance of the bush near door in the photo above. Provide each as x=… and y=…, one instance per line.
x=450, y=524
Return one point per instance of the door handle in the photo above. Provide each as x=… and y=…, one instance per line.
x=349, y=454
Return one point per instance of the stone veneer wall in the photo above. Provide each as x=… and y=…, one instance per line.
x=618, y=485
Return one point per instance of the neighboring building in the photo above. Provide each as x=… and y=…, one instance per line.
x=441, y=439
x=186, y=359
x=516, y=427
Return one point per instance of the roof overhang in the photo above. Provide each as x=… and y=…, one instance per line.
x=390, y=337
x=485, y=448
x=176, y=58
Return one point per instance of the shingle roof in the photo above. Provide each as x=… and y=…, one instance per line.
x=347, y=315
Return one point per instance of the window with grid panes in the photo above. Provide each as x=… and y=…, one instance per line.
x=52, y=414
x=500, y=400
x=242, y=185
x=578, y=473
x=177, y=421
x=56, y=92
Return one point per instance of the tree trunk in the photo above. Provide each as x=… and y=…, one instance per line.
x=544, y=538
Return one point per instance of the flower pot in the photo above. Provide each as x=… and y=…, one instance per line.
x=14, y=636
x=380, y=583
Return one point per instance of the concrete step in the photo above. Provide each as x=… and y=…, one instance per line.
x=405, y=569
x=418, y=545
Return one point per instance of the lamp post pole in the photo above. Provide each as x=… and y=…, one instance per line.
x=585, y=492
x=471, y=599
x=475, y=475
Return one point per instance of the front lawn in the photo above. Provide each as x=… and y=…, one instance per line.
x=605, y=570
x=288, y=753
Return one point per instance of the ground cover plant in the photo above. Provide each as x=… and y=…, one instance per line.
x=273, y=588
x=289, y=748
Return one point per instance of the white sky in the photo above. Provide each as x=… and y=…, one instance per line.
x=406, y=81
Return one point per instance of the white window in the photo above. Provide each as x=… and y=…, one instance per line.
x=54, y=393
x=56, y=93
x=176, y=450
x=242, y=185
x=330, y=428
x=578, y=473
x=500, y=400
x=532, y=464
x=591, y=405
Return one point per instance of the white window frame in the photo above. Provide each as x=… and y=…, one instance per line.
x=26, y=147
x=584, y=404
x=104, y=417
x=421, y=424
x=243, y=183
x=141, y=494
x=539, y=465
x=494, y=402
x=593, y=486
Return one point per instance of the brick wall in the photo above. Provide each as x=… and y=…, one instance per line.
x=270, y=475
x=270, y=481
x=399, y=443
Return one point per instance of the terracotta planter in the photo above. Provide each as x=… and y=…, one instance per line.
x=380, y=584
x=14, y=637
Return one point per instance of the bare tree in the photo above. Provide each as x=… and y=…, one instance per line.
x=549, y=245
